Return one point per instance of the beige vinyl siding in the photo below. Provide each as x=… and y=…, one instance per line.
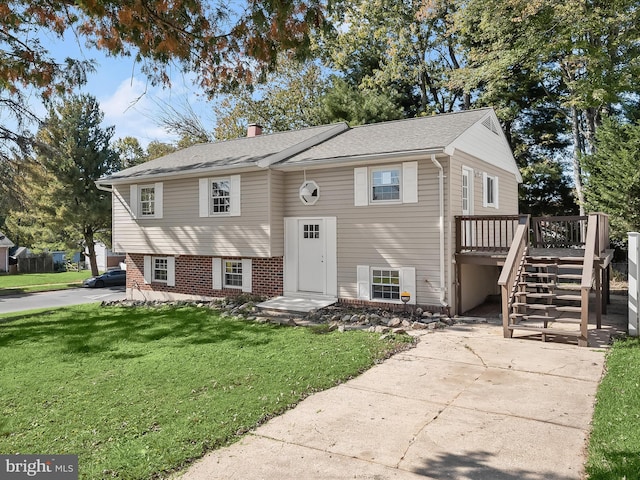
x=508, y=205
x=182, y=231
x=276, y=216
x=397, y=235
x=507, y=186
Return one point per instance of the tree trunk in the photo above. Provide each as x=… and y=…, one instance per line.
x=578, y=150
x=91, y=246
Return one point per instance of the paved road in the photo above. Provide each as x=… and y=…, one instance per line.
x=61, y=298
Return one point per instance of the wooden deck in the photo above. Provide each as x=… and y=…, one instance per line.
x=489, y=241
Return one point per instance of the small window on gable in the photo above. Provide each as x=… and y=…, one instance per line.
x=147, y=201
x=385, y=184
x=490, y=198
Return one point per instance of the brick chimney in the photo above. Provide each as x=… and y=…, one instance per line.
x=253, y=130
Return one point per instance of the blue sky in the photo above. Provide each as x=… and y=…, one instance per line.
x=128, y=100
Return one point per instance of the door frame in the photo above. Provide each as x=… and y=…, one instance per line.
x=291, y=255
x=469, y=173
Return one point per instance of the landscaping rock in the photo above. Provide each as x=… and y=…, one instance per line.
x=394, y=322
x=418, y=326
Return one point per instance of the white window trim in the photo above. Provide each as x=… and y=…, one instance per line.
x=204, y=186
x=224, y=273
x=470, y=193
x=134, y=200
x=149, y=265
x=364, y=275
x=218, y=282
x=496, y=191
x=140, y=201
x=363, y=185
x=386, y=168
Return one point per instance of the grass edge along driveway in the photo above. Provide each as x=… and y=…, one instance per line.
x=614, y=442
x=141, y=392
x=40, y=282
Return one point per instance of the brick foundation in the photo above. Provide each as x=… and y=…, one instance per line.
x=394, y=307
x=194, y=277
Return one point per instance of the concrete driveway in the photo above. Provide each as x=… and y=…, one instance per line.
x=60, y=298
x=464, y=404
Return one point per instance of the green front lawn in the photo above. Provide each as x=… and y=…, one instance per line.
x=614, y=445
x=38, y=282
x=141, y=392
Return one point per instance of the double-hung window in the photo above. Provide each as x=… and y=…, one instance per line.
x=220, y=200
x=160, y=269
x=385, y=284
x=385, y=184
x=147, y=201
x=233, y=273
x=220, y=196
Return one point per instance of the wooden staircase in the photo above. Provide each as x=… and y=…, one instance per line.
x=548, y=297
x=545, y=287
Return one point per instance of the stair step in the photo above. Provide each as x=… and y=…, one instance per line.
x=576, y=298
x=546, y=330
x=540, y=274
x=570, y=276
x=524, y=316
x=534, y=306
x=537, y=284
x=539, y=265
x=569, y=309
x=535, y=295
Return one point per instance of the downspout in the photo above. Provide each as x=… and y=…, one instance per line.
x=443, y=287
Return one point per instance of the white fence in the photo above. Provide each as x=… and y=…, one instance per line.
x=634, y=283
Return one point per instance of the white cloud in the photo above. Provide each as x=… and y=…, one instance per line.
x=130, y=108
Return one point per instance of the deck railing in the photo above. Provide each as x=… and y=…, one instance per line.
x=559, y=232
x=486, y=233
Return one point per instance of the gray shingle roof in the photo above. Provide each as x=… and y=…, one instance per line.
x=241, y=152
x=4, y=241
x=423, y=133
x=310, y=145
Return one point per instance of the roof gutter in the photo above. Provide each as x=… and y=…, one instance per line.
x=443, y=285
x=104, y=186
x=368, y=158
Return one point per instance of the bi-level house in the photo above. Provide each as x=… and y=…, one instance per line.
x=358, y=215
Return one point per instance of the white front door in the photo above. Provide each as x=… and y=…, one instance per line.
x=310, y=256
x=311, y=252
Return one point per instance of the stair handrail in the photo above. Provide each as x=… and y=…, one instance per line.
x=510, y=271
x=591, y=250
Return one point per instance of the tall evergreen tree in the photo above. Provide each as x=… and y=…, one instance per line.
x=63, y=205
x=612, y=176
